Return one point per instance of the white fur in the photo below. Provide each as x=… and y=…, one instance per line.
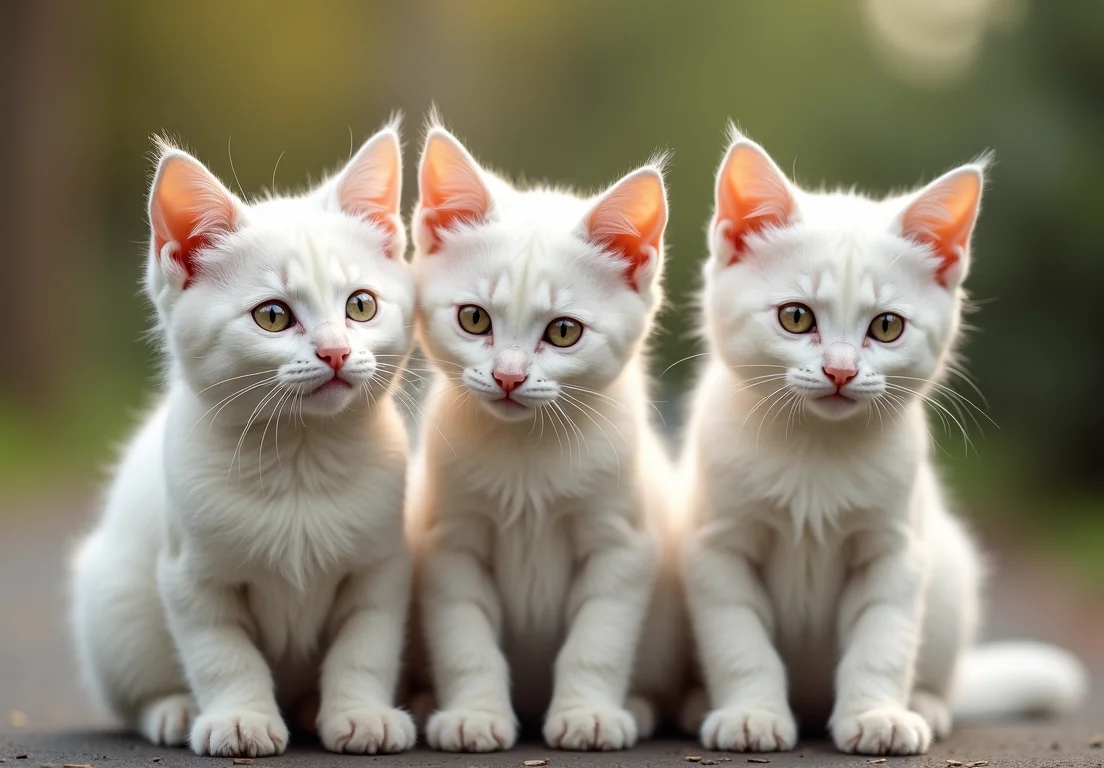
x=542, y=532
x=826, y=577
x=251, y=549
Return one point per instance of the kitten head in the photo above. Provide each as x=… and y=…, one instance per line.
x=832, y=299
x=301, y=299
x=527, y=296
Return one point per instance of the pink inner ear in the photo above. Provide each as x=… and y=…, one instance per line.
x=943, y=216
x=630, y=219
x=371, y=186
x=450, y=188
x=189, y=207
x=752, y=195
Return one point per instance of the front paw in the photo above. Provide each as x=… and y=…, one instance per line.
x=600, y=728
x=469, y=730
x=367, y=731
x=239, y=734
x=749, y=729
x=934, y=710
x=168, y=720
x=883, y=731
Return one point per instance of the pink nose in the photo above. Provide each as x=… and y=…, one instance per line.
x=335, y=357
x=509, y=381
x=840, y=376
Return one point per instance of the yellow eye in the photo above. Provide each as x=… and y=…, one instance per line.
x=273, y=316
x=796, y=318
x=474, y=320
x=361, y=306
x=563, y=332
x=887, y=327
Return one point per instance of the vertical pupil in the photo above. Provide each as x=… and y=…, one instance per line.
x=563, y=330
x=272, y=315
x=360, y=304
x=885, y=323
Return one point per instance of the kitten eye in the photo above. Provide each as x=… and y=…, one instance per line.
x=886, y=328
x=475, y=320
x=361, y=307
x=796, y=318
x=273, y=316
x=563, y=332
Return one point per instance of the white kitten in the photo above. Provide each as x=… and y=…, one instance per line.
x=251, y=550
x=823, y=555
x=540, y=514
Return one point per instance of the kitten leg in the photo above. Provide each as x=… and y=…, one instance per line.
x=361, y=669
x=168, y=720
x=951, y=609
x=659, y=675
x=644, y=715
x=607, y=608
x=880, y=615
x=934, y=709
x=463, y=618
x=123, y=644
x=744, y=674
x=231, y=681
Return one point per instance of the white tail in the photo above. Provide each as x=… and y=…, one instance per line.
x=1002, y=680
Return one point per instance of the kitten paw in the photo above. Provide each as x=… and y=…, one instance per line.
x=604, y=729
x=166, y=722
x=740, y=729
x=883, y=731
x=239, y=734
x=468, y=730
x=935, y=710
x=367, y=731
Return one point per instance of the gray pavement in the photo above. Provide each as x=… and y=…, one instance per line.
x=1024, y=744
x=45, y=714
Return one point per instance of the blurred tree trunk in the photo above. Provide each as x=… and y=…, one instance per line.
x=48, y=56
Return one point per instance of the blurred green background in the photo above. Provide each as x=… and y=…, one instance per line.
x=879, y=93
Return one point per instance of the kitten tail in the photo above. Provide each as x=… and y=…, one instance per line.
x=1001, y=680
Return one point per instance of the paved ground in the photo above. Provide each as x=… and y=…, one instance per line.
x=1033, y=745
x=45, y=715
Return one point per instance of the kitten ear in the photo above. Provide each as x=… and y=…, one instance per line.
x=450, y=190
x=752, y=194
x=628, y=221
x=188, y=208
x=369, y=187
x=942, y=216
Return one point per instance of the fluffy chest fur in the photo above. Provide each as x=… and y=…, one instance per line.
x=310, y=507
x=531, y=487
x=799, y=480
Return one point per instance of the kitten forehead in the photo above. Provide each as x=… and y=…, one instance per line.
x=282, y=231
